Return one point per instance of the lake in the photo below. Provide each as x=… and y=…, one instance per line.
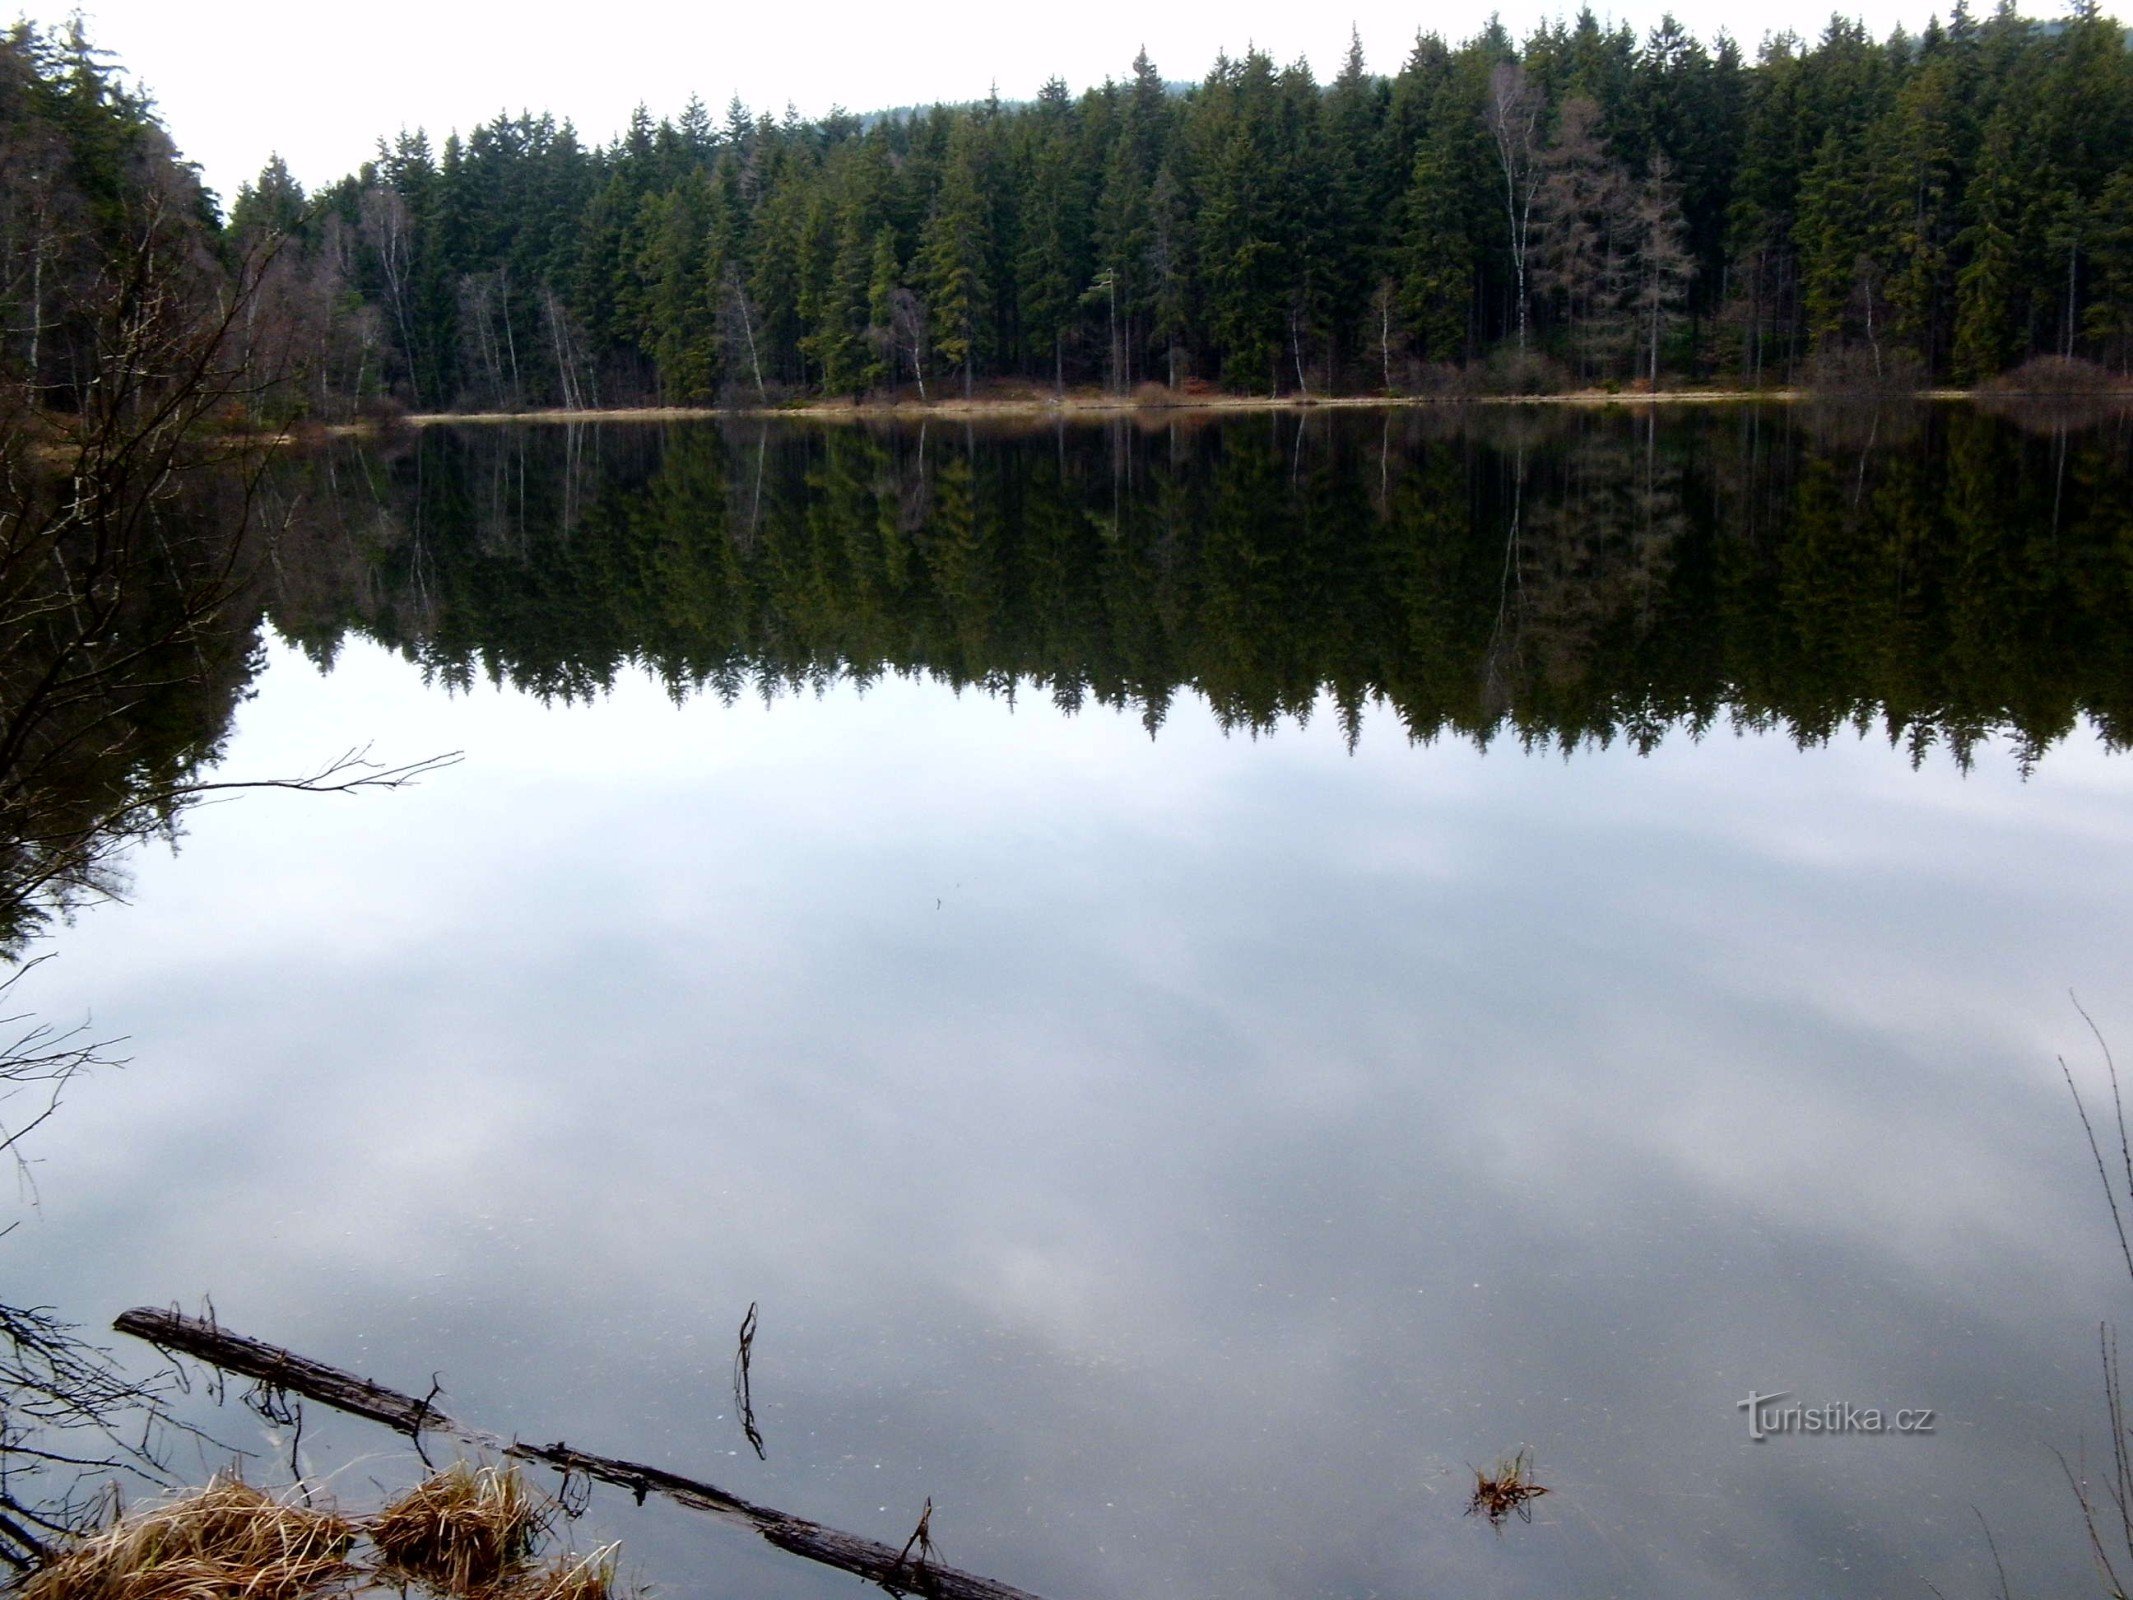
x=1206, y=977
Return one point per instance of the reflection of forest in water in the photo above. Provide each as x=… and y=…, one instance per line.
x=1559, y=577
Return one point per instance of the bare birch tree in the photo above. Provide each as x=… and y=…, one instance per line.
x=1384, y=301
x=737, y=320
x=389, y=230
x=1514, y=112
x=907, y=326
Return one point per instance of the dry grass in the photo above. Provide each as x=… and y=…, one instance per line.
x=468, y=1533
x=229, y=1541
x=466, y=1530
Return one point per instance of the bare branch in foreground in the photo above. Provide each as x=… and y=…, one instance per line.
x=350, y=773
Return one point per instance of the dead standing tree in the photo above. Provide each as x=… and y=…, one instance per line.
x=388, y=228
x=1584, y=226
x=737, y=320
x=907, y=327
x=1515, y=110
x=1664, y=265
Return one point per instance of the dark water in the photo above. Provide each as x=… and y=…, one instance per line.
x=1206, y=980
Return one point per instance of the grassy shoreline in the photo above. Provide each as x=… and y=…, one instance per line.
x=1088, y=407
x=1105, y=406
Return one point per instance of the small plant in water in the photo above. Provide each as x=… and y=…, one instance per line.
x=1506, y=1490
x=463, y=1530
x=228, y=1541
x=921, y=1540
x=466, y=1533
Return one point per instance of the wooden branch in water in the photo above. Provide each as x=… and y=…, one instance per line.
x=269, y=1364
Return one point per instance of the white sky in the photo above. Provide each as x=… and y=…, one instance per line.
x=239, y=79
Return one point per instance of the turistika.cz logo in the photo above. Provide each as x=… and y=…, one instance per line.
x=1769, y=1416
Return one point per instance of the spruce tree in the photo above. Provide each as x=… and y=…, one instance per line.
x=955, y=255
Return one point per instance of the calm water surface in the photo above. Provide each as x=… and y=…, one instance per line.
x=1204, y=980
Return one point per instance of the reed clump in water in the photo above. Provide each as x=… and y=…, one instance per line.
x=466, y=1530
x=466, y=1533
x=228, y=1541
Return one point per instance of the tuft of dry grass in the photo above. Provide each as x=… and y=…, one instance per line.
x=228, y=1541
x=1505, y=1490
x=465, y=1530
x=466, y=1533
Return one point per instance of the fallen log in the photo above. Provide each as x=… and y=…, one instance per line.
x=285, y=1370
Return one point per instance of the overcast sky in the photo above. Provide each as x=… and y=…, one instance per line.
x=240, y=79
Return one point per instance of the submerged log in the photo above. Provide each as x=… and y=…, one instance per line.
x=285, y=1370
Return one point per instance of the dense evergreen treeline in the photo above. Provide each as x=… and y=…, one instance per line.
x=1947, y=203
x=1560, y=580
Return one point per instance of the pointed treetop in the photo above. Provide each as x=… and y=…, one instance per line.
x=1352, y=69
x=696, y=131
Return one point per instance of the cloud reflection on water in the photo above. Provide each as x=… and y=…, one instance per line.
x=1255, y=1135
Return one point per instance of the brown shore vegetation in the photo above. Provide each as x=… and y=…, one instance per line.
x=2044, y=379
x=465, y=1533
x=1074, y=407
x=228, y=1539
x=463, y=1530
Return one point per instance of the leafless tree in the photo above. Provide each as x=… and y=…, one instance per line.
x=36, y=225
x=907, y=323
x=486, y=333
x=1869, y=290
x=1514, y=113
x=389, y=231
x=1384, y=301
x=1664, y=265
x=1583, y=225
x=573, y=372
x=302, y=320
x=737, y=319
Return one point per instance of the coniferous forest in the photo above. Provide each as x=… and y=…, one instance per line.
x=1938, y=206
x=1583, y=207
